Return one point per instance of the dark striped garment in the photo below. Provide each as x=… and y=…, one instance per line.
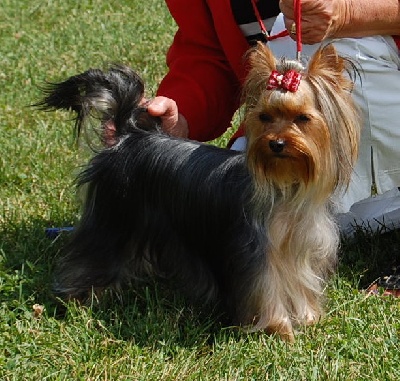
x=245, y=17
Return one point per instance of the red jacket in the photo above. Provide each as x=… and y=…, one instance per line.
x=206, y=65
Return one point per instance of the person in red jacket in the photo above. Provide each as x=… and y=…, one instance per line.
x=201, y=91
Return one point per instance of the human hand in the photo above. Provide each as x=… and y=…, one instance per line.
x=172, y=122
x=320, y=19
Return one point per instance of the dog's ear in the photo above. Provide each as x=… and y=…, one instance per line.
x=327, y=63
x=262, y=59
x=261, y=63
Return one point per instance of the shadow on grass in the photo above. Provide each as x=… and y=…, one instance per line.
x=149, y=314
x=152, y=314
x=369, y=255
x=27, y=263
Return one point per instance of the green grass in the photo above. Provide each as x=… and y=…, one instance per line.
x=149, y=334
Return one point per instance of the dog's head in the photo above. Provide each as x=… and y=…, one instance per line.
x=301, y=124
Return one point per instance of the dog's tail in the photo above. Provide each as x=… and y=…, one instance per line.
x=113, y=97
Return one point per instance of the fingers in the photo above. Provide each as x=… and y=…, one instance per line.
x=318, y=19
x=167, y=109
x=287, y=8
x=163, y=107
x=311, y=32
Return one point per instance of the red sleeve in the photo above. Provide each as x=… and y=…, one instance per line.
x=200, y=78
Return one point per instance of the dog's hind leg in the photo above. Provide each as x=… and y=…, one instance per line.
x=92, y=261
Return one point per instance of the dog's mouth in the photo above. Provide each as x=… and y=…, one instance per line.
x=281, y=155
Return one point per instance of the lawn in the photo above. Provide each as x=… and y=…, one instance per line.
x=148, y=333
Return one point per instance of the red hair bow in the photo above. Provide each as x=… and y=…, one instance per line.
x=289, y=81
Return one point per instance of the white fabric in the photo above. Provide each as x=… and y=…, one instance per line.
x=379, y=213
x=239, y=144
x=377, y=92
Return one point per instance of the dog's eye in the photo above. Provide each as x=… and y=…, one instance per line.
x=301, y=118
x=265, y=118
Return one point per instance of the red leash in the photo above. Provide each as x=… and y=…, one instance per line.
x=284, y=33
x=297, y=15
x=260, y=22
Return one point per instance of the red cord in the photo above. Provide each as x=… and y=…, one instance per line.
x=297, y=15
x=259, y=19
x=284, y=33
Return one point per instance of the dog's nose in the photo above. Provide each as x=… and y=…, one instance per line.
x=277, y=145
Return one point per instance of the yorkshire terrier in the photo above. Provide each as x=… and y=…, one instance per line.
x=254, y=231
